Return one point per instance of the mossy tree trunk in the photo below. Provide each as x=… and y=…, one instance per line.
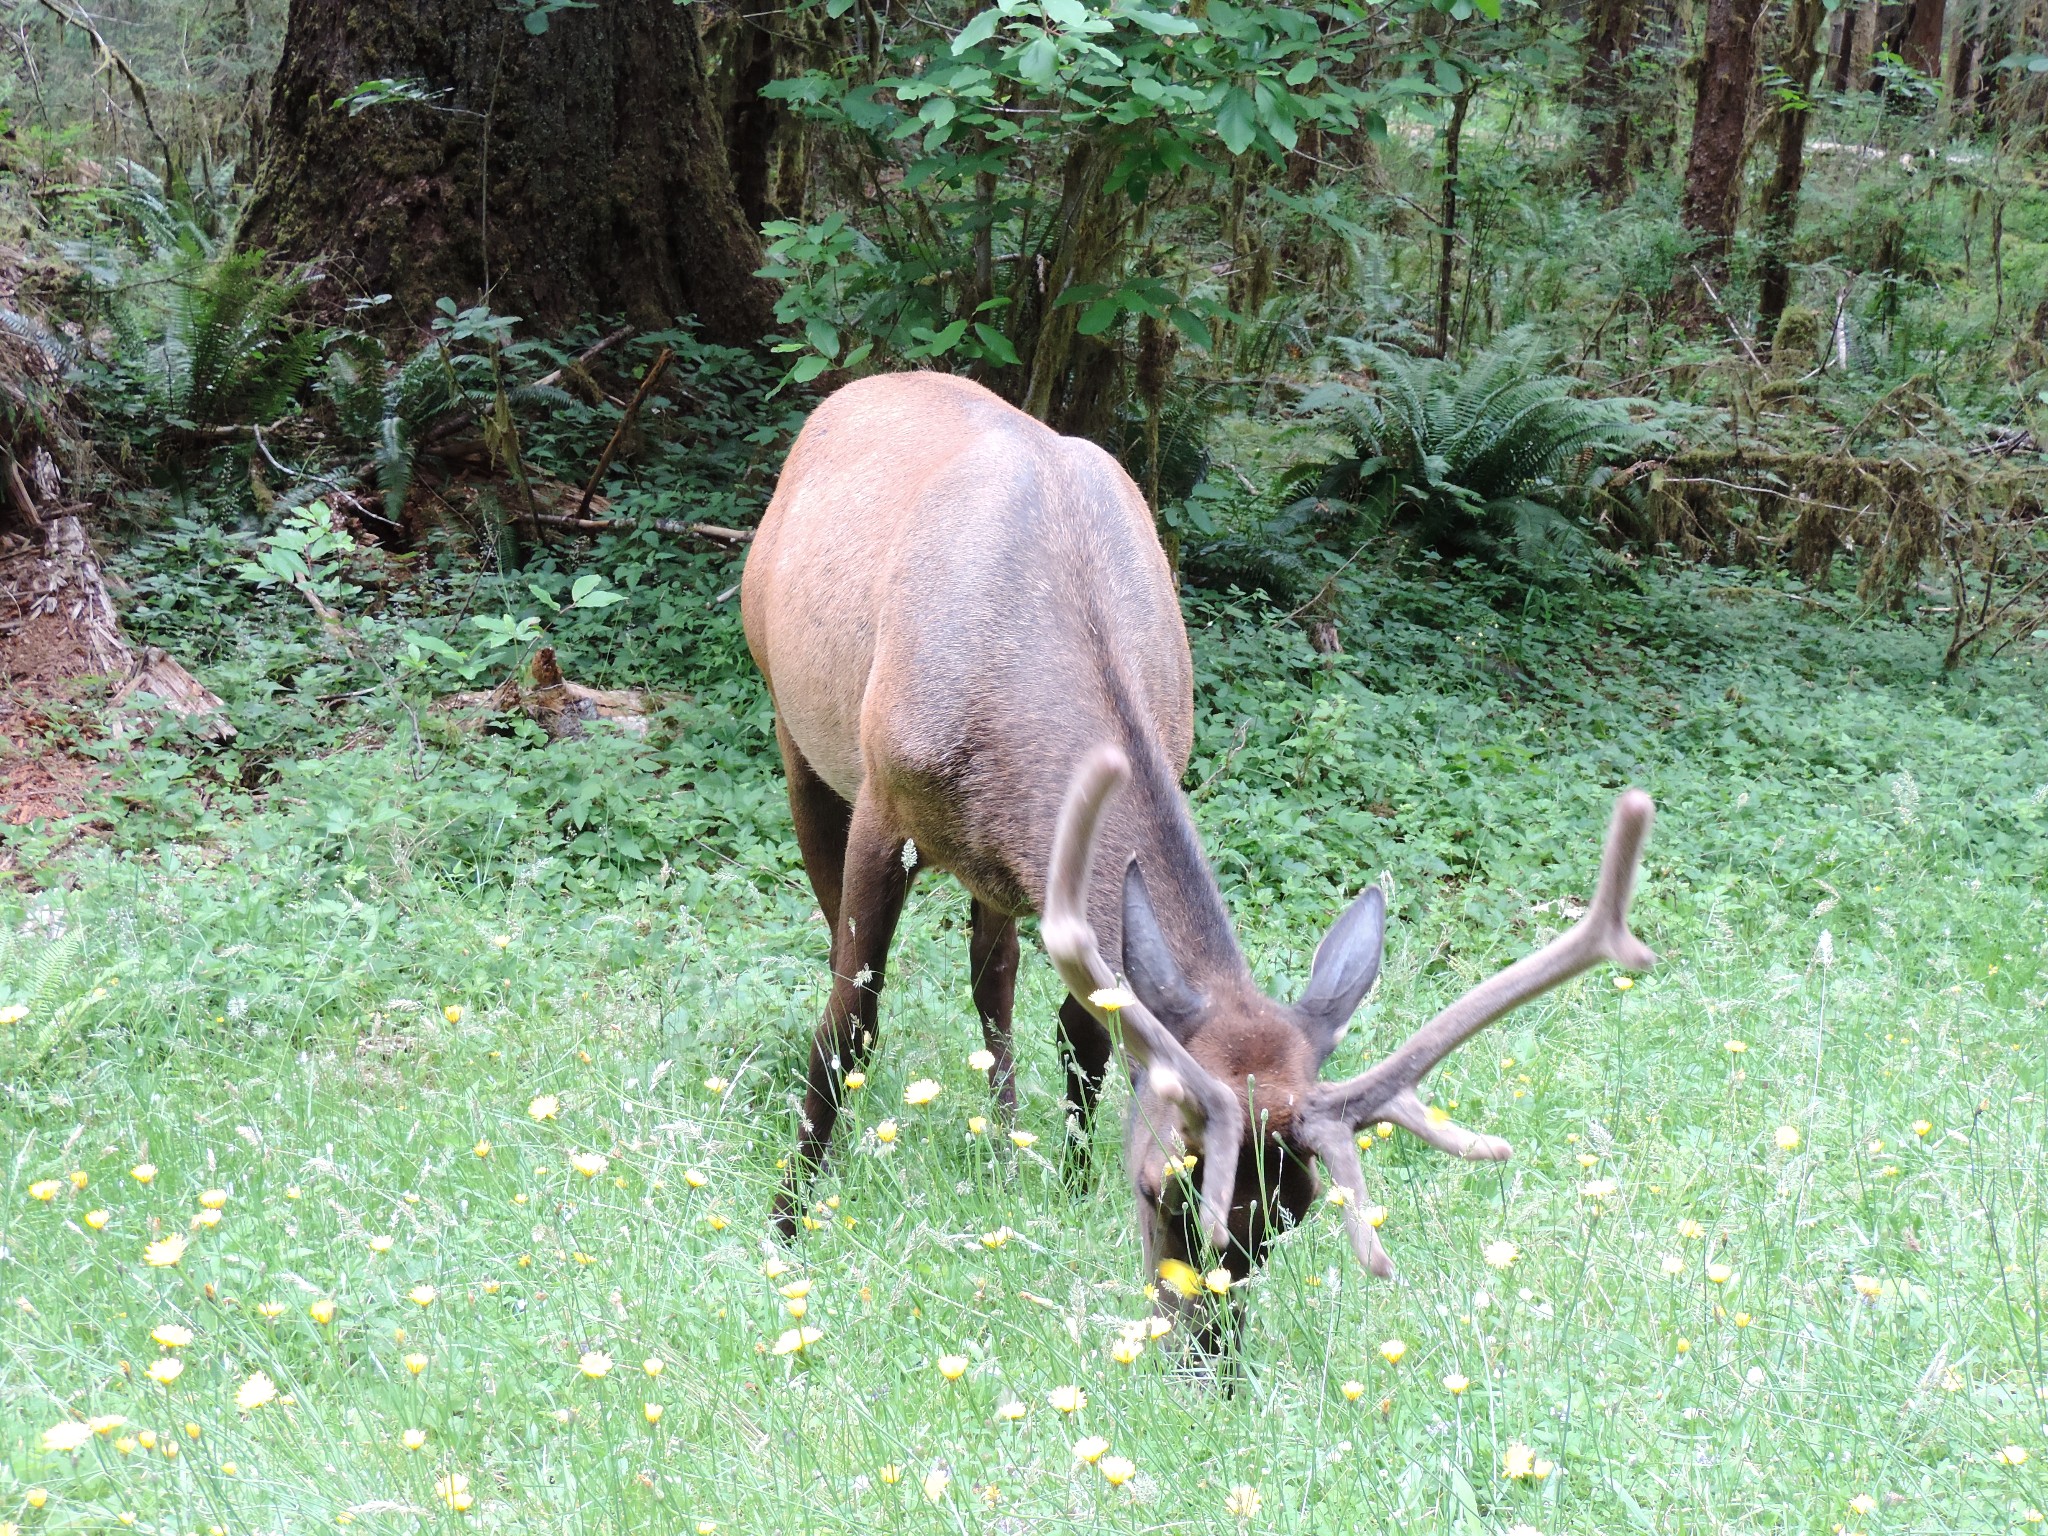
x=1799, y=62
x=1611, y=27
x=1713, y=168
x=577, y=171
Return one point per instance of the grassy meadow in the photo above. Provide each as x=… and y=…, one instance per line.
x=390, y=1116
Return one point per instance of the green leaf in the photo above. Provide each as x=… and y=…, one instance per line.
x=1065, y=13
x=997, y=345
x=1162, y=25
x=808, y=368
x=536, y=22
x=1192, y=326
x=1098, y=317
x=1237, y=120
x=1038, y=62
x=977, y=32
x=820, y=334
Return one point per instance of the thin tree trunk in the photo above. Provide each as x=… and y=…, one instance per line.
x=581, y=170
x=1799, y=62
x=1713, y=168
x=1447, y=236
x=1859, y=40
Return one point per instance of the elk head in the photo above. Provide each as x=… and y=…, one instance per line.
x=1226, y=1080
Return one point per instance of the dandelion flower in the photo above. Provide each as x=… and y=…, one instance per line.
x=1090, y=1449
x=696, y=1178
x=1867, y=1285
x=997, y=1238
x=45, y=1189
x=652, y=1366
x=1863, y=1504
x=594, y=1363
x=1623, y=983
x=171, y=1335
x=1011, y=1411
x=921, y=1092
x=651, y=1412
x=71, y=1435
x=885, y=1133
x=1110, y=999
x=142, y=1173
x=1672, y=1264
x=2013, y=1456
x=1518, y=1461
x=258, y=1390
x=453, y=1490
x=1599, y=1189
x=977, y=1125
x=1922, y=1127
x=422, y=1295
x=1456, y=1383
x=982, y=1061
x=1392, y=1350
x=1735, y=1047
x=1352, y=1390
x=165, y=1252
x=206, y=1218
x=855, y=1081
x=1184, y=1278
x=13, y=1013
x=794, y=1341
x=415, y=1363
x=715, y=1085
x=452, y=1013
x=889, y=1475
x=1242, y=1502
x=1126, y=1350
x=321, y=1311
x=270, y=1311
x=213, y=1199
x=952, y=1367
x=1787, y=1138
x=482, y=1148
x=590, y=1164
x=380, y=1244
x=1720, y=1274
x=1118, y=1470
x=166, y=1370
x=105, y=1423
x=1218, y=1280
x=1024, y=1140
x=544, y=1107
x=1067, y=1399
x=1691, y=1230
x=413, y=1439
x=936, y=1483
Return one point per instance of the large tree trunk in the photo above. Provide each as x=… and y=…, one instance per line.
x=1920, y=42
x=1713, y=168
x=1799, y=62
x=1610, y=38
x=1858, y=38
x=579, y=171
x=768, y=144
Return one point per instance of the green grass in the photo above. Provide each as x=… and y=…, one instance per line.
x=246, y=988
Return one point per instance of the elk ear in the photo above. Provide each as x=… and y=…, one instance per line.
x=1148, y=962
x=1347, y=963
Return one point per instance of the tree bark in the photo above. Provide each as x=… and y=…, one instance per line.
x=1799, y=62
x=1858, y=39
x=1610, y=38
x=1713, y=168
x=579, y=171
x=1920, y=43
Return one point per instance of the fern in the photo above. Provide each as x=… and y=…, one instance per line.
x=1488, y=459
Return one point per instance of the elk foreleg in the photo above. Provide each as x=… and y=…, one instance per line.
x=872, y=891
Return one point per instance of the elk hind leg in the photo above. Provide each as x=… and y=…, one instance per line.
x=992, y=957
x=872, y=892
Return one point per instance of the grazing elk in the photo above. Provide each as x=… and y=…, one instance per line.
x=978, y=665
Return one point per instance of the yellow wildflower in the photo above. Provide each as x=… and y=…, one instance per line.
x=142, y=1173
x=1456, y=1383
x=415, y=1363
x=1023, y=1140
x=213, y=1199
x=166, y=1370
x=1242, y=1502
x=921, y=1092
x=794, y=1341
x=1392, y=1350
x=952, y=1367
x=171, y=1335
x=453, y=1490
x=1067, y=1399
x=258, y=1390
x=97, y=1219
x=1787, y=1138
x=589, y=1164
x=422, y=1295
x=982, y=1061
x=1352, y=1390
x=321, y=1311
x=651, y=1412
x=594, y=1363
x=544, y=1107
x=413, y=1439
x=1118, y=1470
x=452, y=1013
x=70, y=1435
x=165, y=1251
x=886, y=1132
x=45, y=1189
x=1090, y=1449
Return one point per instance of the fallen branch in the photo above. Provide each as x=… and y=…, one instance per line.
x=714, y=533
x=583, y=358
x=604, y=460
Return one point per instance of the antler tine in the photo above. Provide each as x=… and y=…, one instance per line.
x=1208, y=1108
x=1387, y=1091
x=1331, y=1141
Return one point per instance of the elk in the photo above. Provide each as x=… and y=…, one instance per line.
x=978, y=665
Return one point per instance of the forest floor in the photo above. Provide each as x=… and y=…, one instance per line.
x=371, y=1161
